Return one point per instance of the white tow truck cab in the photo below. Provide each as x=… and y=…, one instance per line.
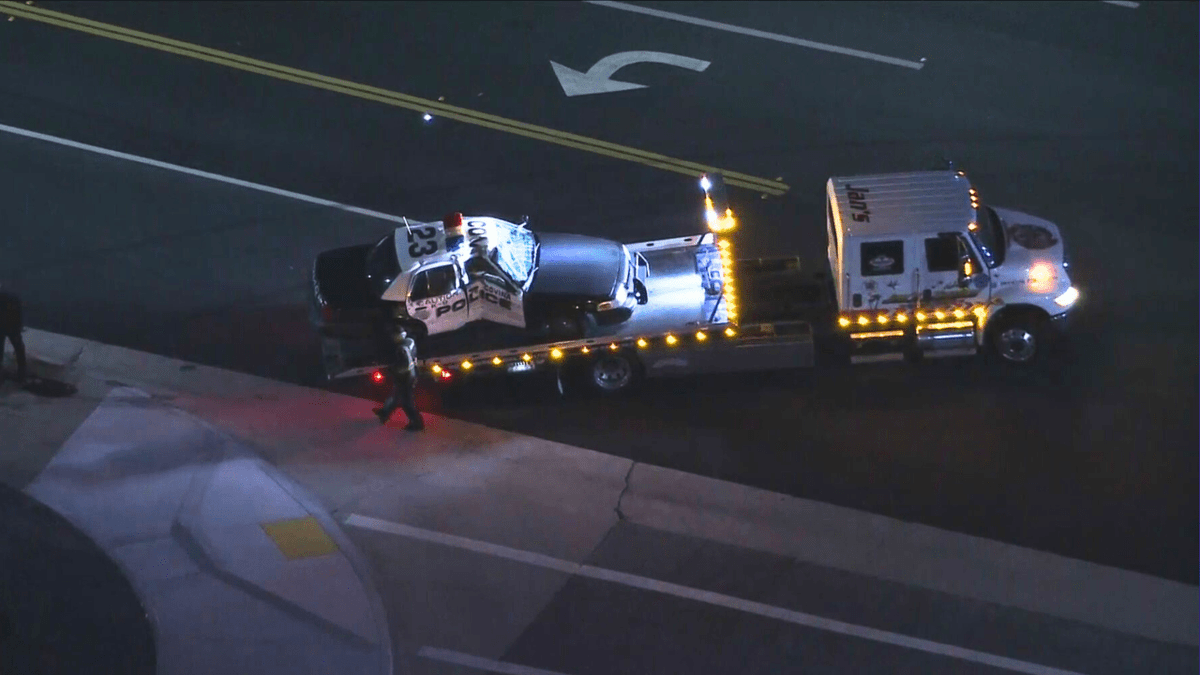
x=922, y=267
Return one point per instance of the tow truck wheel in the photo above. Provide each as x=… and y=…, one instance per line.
x=613, y=372
x=1018, y=339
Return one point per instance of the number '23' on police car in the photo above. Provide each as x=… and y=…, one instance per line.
x=436, y=277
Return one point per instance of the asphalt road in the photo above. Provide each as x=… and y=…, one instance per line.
x=1084, y=113
x=470, y=603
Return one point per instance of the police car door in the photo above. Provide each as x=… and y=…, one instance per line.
x=438, y=298
x=492, y=296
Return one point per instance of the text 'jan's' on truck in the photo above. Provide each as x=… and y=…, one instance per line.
x=916, y=266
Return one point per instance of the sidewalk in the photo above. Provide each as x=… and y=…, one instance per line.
x=238, y=570
x=190, y=478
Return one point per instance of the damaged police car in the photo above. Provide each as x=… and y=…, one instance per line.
x=438, y=277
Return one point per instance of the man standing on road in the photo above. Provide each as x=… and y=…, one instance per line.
x=11, y=325
x=404, y=382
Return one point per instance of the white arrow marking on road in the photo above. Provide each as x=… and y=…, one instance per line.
x=787, y=39
x=596, y=79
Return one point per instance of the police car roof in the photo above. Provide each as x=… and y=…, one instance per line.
x=903, y=203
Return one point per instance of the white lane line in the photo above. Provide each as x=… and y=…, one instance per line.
x=200, y=174
x=1122, y=3
x=707, y=597
x=400, y=529
x=461, y=659
x=787, y=39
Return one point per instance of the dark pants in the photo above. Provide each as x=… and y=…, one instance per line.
x=18, y=344
x=404, y=387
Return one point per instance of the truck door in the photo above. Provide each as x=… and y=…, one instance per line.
x=491, y=296
x=438, y=298
x=950, y=270
x=884, y=277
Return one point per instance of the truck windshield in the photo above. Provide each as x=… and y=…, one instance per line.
x=989, y=236
x=514, y=250
x=382, y=264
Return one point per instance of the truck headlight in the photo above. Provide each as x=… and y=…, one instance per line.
x=1068, y=298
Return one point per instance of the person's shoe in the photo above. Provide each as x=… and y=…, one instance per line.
x=414, y=426
x=381, y=414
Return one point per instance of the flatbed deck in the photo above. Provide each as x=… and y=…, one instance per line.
x=679, y=304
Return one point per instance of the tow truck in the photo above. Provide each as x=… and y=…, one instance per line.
x=917, y=266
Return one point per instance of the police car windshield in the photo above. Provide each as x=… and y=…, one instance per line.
x=382, y=264
x=989, y=236
x=514, y=251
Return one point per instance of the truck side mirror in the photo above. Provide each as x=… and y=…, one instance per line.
x=966, y=268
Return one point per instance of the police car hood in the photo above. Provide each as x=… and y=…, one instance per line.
x=576, y=265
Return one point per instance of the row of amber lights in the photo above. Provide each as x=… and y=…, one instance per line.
x=556, y=353
x=920, y=316
x=727, y=287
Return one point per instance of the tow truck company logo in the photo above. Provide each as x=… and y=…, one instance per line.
x=858, y=202
x=881, y=263
x=1032, y=237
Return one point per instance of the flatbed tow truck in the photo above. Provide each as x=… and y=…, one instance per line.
x=918, y=268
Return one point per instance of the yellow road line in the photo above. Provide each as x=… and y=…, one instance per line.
x=367, y=92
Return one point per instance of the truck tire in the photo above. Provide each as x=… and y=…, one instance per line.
x=614, y=372
x=1019, y=339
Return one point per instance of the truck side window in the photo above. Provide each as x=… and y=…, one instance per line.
x=880, y=258
x=432, y=283
x=942, y=254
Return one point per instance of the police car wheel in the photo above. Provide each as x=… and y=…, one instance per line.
x=565, y=327
x=614, y=372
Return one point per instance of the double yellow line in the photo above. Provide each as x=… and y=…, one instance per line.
x=385, y=96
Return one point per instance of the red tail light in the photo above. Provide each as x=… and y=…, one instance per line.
x=377, y=376
x=445, y=375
